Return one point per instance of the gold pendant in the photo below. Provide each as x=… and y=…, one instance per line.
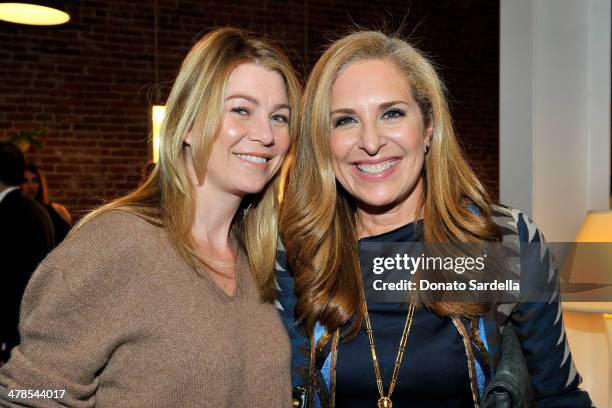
x=384, y=402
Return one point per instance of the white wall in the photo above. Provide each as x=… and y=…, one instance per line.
x=516, y=78
x=555, y=135
x=555, y=110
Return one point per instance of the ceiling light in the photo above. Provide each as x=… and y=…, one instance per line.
x=40, y=13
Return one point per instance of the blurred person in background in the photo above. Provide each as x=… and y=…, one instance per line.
x=35, y=187
x=26, y=236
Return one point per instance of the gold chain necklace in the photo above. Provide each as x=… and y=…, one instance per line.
x=385, y=400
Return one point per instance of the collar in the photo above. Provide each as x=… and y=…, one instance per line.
x=7, y=191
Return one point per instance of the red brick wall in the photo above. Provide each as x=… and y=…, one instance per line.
x=88, y=81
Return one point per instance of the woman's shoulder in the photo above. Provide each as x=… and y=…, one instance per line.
x=515, y=224
x=108, y=251
x=111, y=231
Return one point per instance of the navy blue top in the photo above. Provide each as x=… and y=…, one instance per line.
x=434, y=371
x=430, y=354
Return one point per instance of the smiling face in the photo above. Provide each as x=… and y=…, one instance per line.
x=254, y=134
x=378, y=138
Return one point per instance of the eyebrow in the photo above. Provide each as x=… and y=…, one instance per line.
x=343, y=110
x=243, y=96
x=281, y=106
x=382, y=106
x=256, y=102
x=386, y=105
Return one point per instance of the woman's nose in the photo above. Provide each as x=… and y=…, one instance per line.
x=372, y=139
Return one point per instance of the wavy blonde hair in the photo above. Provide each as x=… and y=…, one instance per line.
x=319, y=234
x=196, y=104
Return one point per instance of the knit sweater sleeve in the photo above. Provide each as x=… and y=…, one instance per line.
x=69, y=321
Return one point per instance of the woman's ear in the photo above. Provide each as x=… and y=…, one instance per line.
x=427, y=134
x=187, y=140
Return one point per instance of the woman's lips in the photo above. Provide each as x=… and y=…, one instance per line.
x=376, y=170
x=254, y=160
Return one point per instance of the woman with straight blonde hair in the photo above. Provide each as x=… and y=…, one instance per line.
x=162, y=298
x=378, y=151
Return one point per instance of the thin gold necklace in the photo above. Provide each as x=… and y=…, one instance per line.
x=385, y=400
x=208, y=262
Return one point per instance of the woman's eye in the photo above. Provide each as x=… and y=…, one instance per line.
x=343, y=121
x=240, y=110
x=393, y=114
x=280, y=118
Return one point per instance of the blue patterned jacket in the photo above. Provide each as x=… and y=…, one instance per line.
x=539, y=325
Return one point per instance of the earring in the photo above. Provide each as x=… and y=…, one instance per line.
x=426, y=149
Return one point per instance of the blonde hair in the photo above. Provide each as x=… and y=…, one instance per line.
x=319, y=234
x=195, y=104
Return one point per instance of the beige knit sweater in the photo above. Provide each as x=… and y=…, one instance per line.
x=117, y=319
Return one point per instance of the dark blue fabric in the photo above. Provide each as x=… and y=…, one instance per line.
x=300, y=345
x=434, y=369
x=539, y=325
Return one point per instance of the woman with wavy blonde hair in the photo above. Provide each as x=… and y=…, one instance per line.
x=163, y=297
x=377, y=162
